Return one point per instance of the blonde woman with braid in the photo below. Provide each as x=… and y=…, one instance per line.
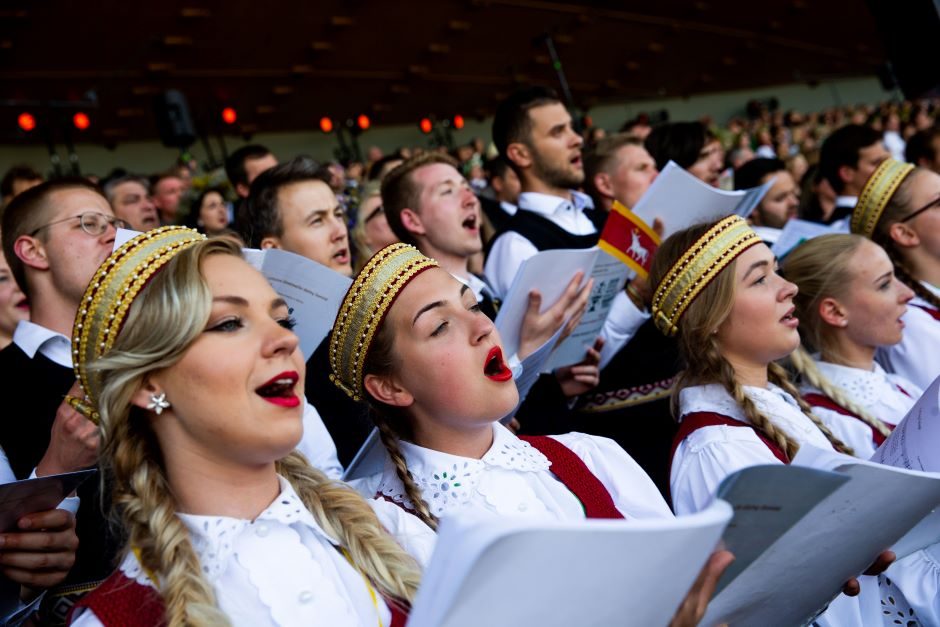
x=187, y=361
x=716, y=289
x=412, y=341
x=899, y=208
x=849, y=304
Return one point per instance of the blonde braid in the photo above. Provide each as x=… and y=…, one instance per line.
x=390, y=440
x=711, y=366
x=755, y=416
x=777, y=375
x=345, y=515
x=148, y=511
x=806, y=366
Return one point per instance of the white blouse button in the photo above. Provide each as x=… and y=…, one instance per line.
x=523, y=507
x=262, y=530
x=306, y=596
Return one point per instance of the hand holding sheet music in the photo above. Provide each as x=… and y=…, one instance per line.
x=594, y=572
x=785, y=514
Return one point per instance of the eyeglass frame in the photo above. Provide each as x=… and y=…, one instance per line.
x=930, y=205
x=374, y=214
x=114, y=221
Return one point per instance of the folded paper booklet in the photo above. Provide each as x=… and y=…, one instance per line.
x=19, y=498
x=915, y=444
x=549, y=272
x=511, y=572
x=678, y=200
x=312, y=291
x=809, y=527
x=797, y=231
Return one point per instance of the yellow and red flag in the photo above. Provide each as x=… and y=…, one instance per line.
x=628, y=238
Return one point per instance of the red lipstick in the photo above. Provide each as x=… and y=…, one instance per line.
x=279, y=390
x=495, y=368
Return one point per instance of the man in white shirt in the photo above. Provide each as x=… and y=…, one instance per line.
x=533, y=130
x=54, y=236
x=292, y=207
x=847, y=158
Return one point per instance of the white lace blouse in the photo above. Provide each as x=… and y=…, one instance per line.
x=283, y=569
x=512, y=479
x=876, y=390
x=710, y=454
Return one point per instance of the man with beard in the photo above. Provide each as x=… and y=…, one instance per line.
x=533, y=130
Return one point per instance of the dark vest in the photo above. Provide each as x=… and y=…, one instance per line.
x=32, y=390
x=546, y=235
x=495, y=213
x=347, y=421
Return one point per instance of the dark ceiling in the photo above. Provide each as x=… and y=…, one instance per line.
x=284, y=64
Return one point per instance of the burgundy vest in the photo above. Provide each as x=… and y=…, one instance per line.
x=820, y=400
x=122, y=602
x=933, y=312
x=696, y=420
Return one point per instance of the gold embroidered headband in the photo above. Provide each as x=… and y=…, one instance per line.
x=876, y=194
x=364, y=307
x=696, y=268
x=109, y=296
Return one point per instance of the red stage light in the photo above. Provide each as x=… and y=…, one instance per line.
x=425, y=125
x=458, y=122
x=26, y=121
x=363, y=122
x=229, y=116
x=326, y=125
x=81, y=121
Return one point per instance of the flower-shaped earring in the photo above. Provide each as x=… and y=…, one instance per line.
x=158, y=403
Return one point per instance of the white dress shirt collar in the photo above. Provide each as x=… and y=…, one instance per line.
x=32, y=338
x=549, y=204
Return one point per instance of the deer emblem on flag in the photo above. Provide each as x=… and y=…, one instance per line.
x=637, y=250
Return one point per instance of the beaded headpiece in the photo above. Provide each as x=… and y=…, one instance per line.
x=364, y=308
x=874, y=197
x=109, y=297
x=696, y=268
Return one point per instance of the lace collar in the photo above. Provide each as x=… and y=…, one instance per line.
x=447, y=480
x=866, y=387
x=213, y=537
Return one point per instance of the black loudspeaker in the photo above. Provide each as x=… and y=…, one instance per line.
x=174, y=123
x=910, y=31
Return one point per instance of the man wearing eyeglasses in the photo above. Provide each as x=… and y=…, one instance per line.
x=54, y=236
